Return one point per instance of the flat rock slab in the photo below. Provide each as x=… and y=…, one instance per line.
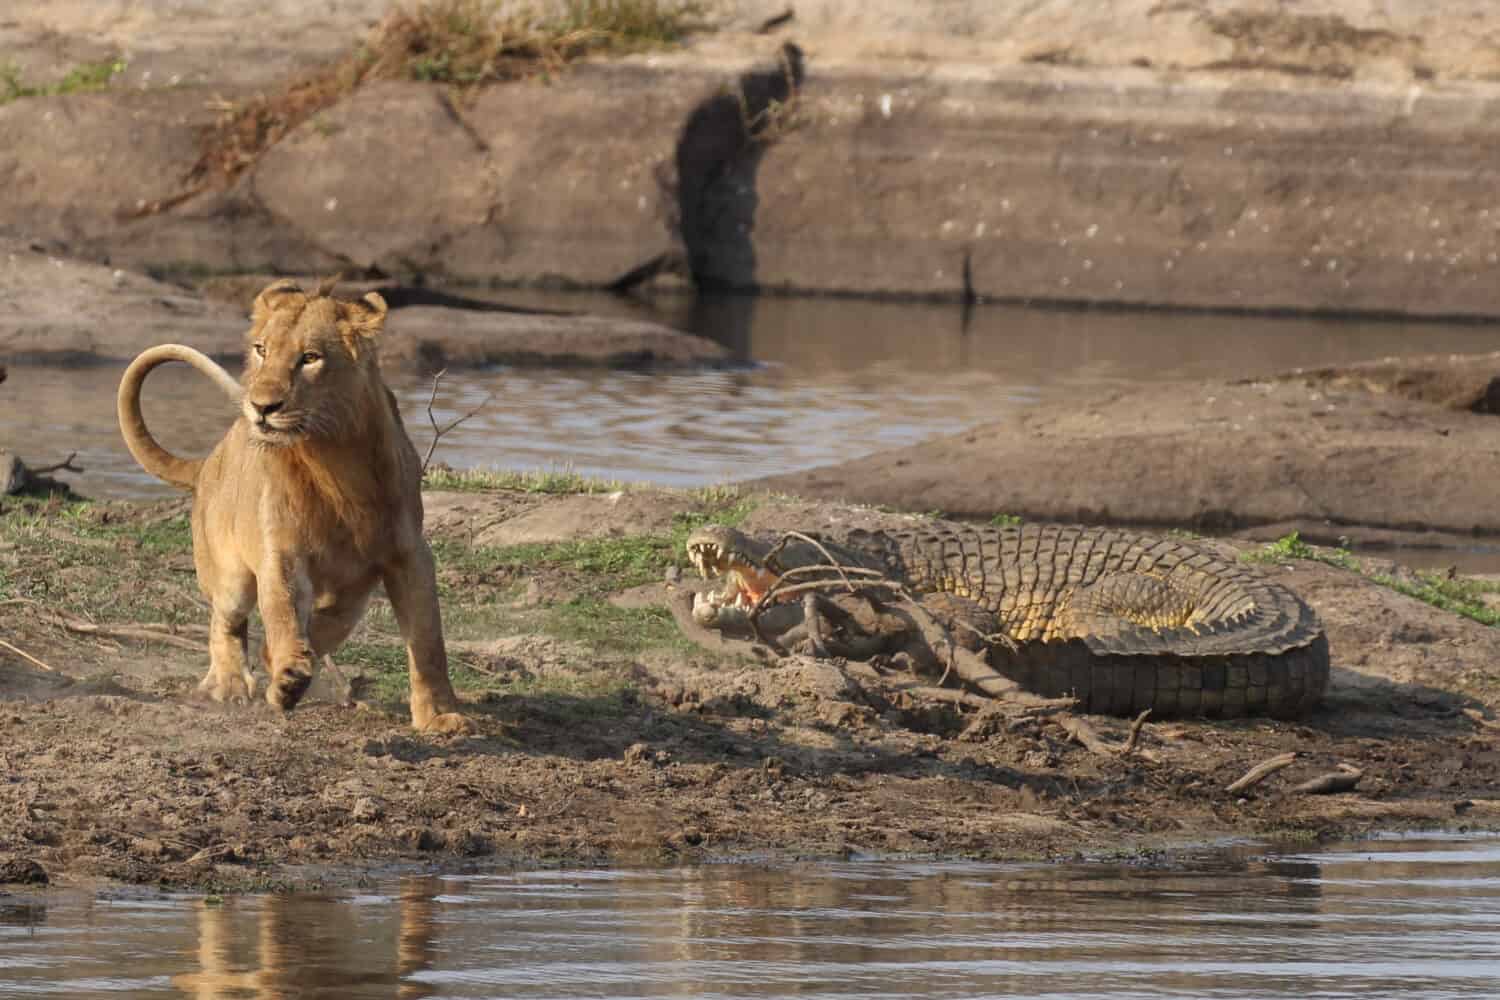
x=1211, y=456
x=58, y=310
x=434, y=337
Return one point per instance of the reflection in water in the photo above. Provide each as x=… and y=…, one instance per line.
x=835, y=379
x=1395, y=918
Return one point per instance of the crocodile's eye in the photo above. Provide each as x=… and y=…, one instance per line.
x=260, y=350
x=311, y=357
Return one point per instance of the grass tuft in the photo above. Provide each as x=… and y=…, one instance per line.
x=557, y=481
x=81, y=79
x=1291, y=546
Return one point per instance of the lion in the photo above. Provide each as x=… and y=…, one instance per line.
x=311, y=498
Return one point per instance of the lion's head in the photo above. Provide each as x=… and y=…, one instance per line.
x=310, y=359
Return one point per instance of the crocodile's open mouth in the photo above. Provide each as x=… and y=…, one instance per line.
x=744, y=582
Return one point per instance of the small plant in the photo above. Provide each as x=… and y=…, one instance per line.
x=1457, y=594
x=553, y=481
x=83, y=78
x=1291, y=546
x=1006, y=520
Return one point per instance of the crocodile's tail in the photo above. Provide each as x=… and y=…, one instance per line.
x=153, y=457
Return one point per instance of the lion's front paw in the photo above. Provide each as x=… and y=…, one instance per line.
x=235, y=689
x=289, y=683
x=447, y=723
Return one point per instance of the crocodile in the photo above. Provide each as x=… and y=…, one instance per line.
x=1120, y=621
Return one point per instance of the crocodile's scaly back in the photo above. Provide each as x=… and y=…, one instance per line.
x=1121, y=620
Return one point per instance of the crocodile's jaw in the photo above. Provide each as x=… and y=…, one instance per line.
x=745, y=584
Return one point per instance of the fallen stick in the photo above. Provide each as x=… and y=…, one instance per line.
x=1085, y=734
x=1260, y=772
x=1479, y=718
x=140, y=632
x=27, y=656
x=1343, y=780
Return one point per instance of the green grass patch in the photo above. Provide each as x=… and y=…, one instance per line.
x=1291, y=546
x=555, y=482
x=1460, y=595
x=81, y=79
x=1006, y=520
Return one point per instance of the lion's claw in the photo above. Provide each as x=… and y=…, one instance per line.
x=233, y=689
x=448, y=724
x=289, y=684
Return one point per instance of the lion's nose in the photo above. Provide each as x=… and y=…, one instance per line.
x=264, y=410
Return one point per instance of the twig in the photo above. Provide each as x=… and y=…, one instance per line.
x=146, y=633
x=65, y=464
x=1343, y=780
x=1260, y=772
x=1135, y=733
x=438, y=432
x=27, y=656
x=1479, y=718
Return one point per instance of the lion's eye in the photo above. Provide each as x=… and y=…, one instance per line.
x=311, y=357
x=260, y=350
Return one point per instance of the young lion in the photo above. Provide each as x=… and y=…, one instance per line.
x=311, y=498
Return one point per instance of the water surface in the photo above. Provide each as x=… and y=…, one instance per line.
x=825, y=380
x=1393, y=918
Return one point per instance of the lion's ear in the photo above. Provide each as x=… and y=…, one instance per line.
x=266, y=301
x=368, y=314
x=364, y=320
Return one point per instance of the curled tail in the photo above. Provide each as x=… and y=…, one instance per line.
x=153, y=457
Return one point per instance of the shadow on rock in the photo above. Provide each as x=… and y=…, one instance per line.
x=718, y=156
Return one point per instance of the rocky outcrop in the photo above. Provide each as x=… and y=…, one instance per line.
x=1213, y=155
x=55, y=309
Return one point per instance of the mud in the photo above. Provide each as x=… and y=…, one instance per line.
x=606, y=737
x=1392, y=450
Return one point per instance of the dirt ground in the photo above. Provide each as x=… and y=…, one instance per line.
x=606, y=737
x=1399, y=450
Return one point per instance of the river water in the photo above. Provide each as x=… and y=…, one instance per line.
x=1391, y=918
x=825, y=380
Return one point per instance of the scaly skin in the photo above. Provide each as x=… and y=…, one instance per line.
x=1119, y=620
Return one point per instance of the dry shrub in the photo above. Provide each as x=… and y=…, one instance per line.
x=459, y=42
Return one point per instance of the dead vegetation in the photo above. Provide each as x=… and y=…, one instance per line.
x=464, y=43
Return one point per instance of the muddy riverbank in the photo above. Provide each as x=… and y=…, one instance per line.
x=1395, y=451
x=604, y=736
x=1204, y=154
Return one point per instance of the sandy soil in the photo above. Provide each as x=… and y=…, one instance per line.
x=1401, y=449
x=604, y=736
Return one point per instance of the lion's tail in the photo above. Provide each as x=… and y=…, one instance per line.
x=153, y=457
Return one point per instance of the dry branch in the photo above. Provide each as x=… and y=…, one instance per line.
x=146, y=632
x=27, y=656
x=1135, y=733
x=65, y=464
x=970, y=667
x=1345, y=779
x=438, y=432
x=1260, y=772
x=1478, y=717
